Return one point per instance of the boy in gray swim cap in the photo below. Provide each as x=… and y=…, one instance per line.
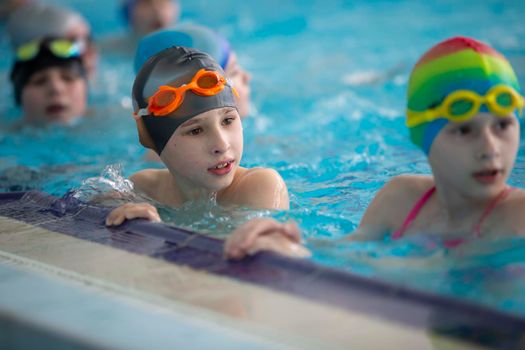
x=185, y=110
x=208, y=41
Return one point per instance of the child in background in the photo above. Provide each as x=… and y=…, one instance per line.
x=141, y=18
x=462, y=111
x=205, y=40
x=35, y=21
x=146, y=16
x=9, y=6
x=49, y=81
x=186, y=112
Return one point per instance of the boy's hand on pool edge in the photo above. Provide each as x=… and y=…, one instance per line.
x=264, y=234
x=132, y=211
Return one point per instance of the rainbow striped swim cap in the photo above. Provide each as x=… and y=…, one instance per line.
x=458, y=63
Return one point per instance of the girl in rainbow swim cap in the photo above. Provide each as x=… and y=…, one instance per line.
x=462, y=111
x=186, y=112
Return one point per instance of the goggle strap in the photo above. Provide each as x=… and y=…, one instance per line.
x=141, y=113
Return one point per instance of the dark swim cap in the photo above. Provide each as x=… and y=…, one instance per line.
x=175, y=67
x=22, y=71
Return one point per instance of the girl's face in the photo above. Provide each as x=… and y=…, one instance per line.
x=150, y=15
x=55, y=94
x=475, y=158
x=206, y=150
x=241, y=81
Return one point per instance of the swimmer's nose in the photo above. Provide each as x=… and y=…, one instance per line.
x=55, y=85
x=488, y=148
x=219, y=142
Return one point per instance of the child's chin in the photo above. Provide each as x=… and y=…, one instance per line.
x=486, y=192
x=220, y=184
x=60, y=118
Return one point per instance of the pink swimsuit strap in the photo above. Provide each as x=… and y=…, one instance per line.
x=412, y=215
x=454, y=242
x=490, y=207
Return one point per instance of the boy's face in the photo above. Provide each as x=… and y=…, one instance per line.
x=241, y=81
x=151, y=15
x=206, y=150
x=475, y=158
x=54, y=94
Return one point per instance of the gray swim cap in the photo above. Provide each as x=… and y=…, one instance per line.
x=174, y=66
x=36, y=20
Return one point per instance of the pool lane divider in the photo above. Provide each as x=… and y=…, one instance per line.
x=299, y=277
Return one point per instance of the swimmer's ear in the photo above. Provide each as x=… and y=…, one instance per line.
x=144, y=136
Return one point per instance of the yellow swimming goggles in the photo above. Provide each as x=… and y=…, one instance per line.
x=461, y=105
x=61, y=48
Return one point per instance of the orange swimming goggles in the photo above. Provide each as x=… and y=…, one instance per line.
x=167, y=98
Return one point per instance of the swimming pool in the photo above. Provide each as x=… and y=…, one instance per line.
x=329, y=79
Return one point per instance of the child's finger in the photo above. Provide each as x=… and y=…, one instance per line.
x=243, y=237
x=144, y=211
x=257, y=229
x=292, y=231
x=132, y=211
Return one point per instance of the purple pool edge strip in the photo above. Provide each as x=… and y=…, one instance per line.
x=299, y=277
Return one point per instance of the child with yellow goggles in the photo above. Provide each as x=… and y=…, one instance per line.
x=62, y=48
x=49, y=81
x=471, y=152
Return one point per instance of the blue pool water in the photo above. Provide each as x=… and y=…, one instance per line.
x=329, y=80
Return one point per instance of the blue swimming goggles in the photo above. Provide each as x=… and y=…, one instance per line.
x=62, y=48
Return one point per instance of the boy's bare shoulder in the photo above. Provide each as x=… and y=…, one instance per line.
x=148, y=175
x=148, y=180
x=260, y=188
x=260, y=176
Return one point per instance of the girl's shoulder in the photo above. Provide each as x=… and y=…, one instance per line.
x=408, y=187
x=395, y=200
x=508, y=218
x=513, y=209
